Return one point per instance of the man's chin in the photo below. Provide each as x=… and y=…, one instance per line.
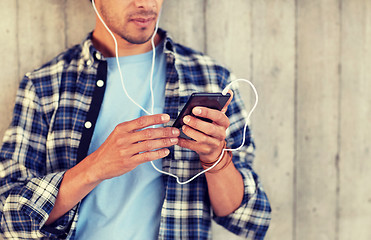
x=140, y=37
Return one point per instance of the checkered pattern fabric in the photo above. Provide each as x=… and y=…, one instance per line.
x=45, y=137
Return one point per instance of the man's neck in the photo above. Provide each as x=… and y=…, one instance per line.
x=104, y=43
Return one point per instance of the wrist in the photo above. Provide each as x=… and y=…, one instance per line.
x=213, y=156
x=90, y=171
x=222, y=162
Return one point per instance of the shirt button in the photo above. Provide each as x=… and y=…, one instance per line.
x=98, y=56
x=88, y=124
x=88, y=62
x=100, y=83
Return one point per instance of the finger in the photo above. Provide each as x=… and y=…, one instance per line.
x=150, y=156
x=201, y=149
x=151, y=145
x=154, y=133
x=189, y=144
x=200, y=137
x=143, y=122
x=214, y=115
x=225, y=108
x=212, y=129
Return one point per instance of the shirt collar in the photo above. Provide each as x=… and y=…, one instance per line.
x=89, y=53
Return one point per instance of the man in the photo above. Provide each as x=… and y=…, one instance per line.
x=75, y=162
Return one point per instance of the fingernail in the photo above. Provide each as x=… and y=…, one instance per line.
x=173, y=140
x=175, y=131
x=167, y=151
x=165, y=117
x=186, y=119
x=197, y=111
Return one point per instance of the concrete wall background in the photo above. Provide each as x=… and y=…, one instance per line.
x=310, y=61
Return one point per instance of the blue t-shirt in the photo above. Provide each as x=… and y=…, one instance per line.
x=128, y=206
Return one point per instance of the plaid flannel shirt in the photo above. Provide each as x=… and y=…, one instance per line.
x=49, y=135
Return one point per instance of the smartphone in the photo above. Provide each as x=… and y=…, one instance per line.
x=210, y=100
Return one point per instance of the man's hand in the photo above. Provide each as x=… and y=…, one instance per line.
x=225, y=187
x=208, y=138
x=126, y=147
x=130, y=144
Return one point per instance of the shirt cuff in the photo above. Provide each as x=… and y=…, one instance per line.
x=37, y=201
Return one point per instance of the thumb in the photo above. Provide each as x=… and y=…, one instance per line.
x=225, y=108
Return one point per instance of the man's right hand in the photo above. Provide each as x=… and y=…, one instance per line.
x=130, y=144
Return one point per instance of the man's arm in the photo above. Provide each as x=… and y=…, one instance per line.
x=235, y=191
x=27, y=190
x=225, y=185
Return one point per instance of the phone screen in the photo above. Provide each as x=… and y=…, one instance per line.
x=211, y=100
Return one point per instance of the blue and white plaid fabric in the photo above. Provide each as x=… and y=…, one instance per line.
x=46, y=134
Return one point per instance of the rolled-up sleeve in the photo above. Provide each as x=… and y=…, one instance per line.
x=27, y=191
x=252, y=218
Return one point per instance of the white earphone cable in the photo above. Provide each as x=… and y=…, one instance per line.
x=118, y=62
x=225, y=90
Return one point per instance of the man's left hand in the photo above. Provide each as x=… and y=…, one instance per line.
x=208, y=138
